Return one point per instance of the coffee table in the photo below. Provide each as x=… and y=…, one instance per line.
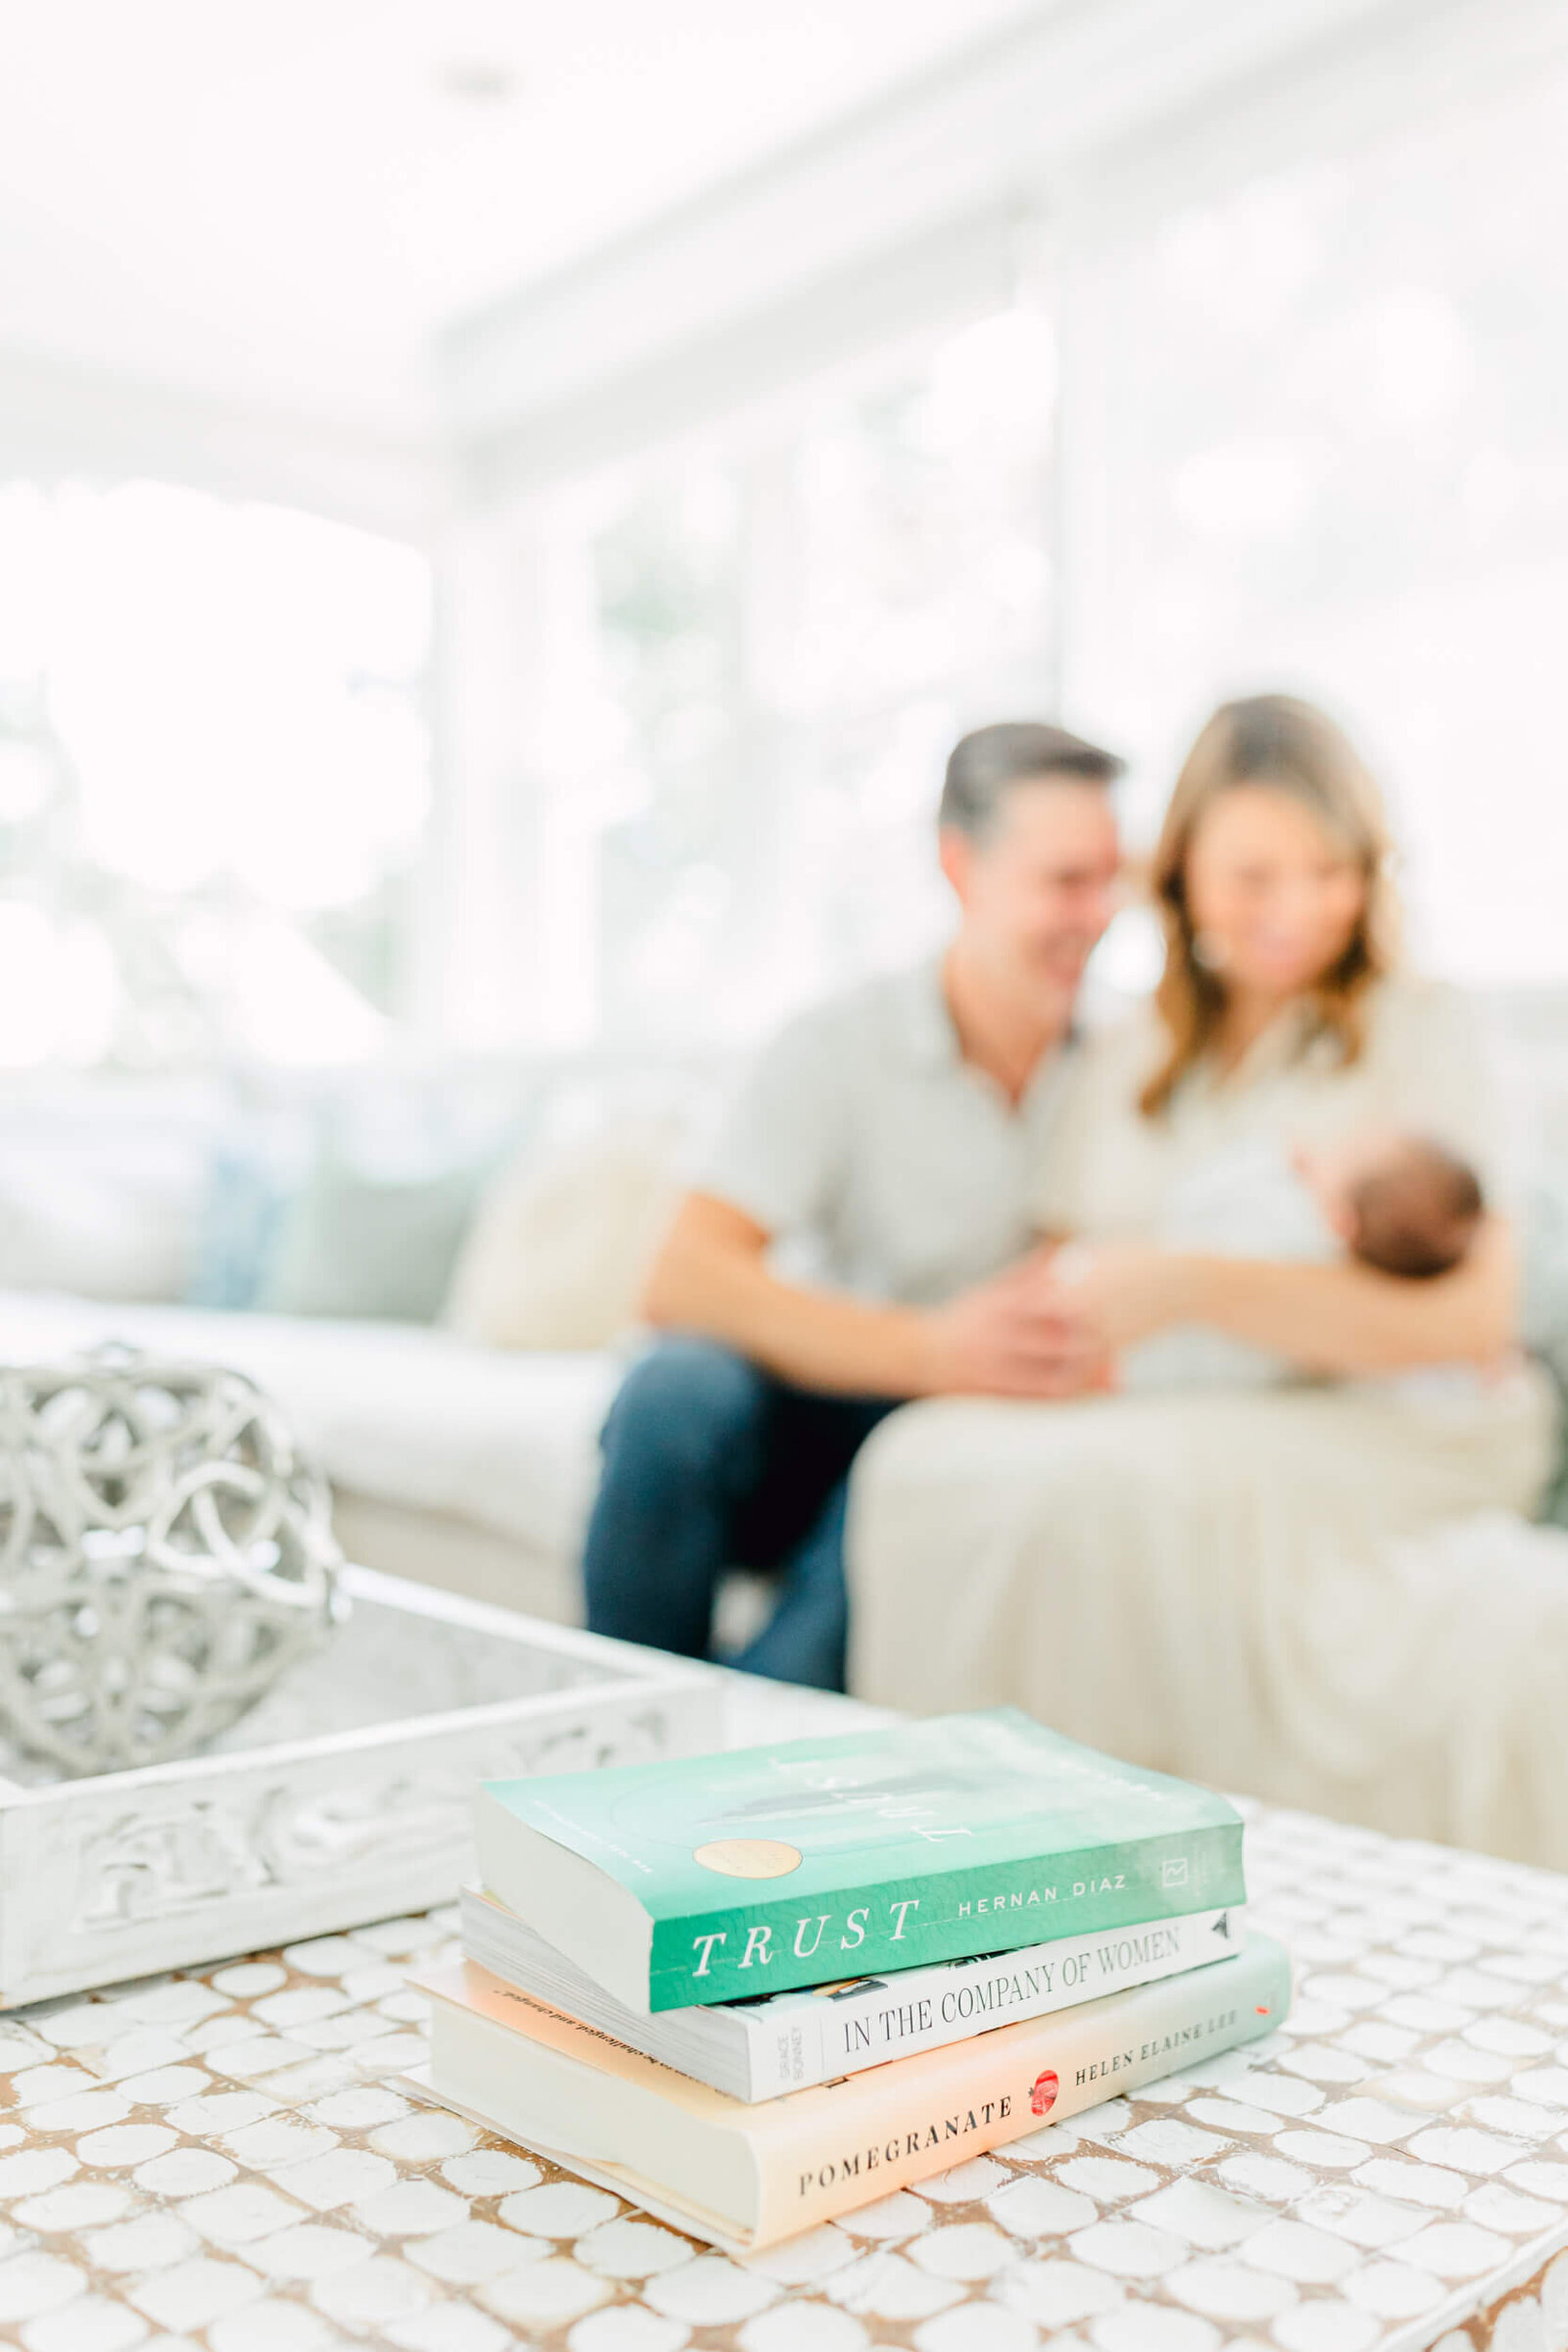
x=220, y=2161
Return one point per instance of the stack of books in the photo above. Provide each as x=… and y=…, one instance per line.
x=752, y=1991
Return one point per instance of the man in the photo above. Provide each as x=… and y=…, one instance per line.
x=896, y=1134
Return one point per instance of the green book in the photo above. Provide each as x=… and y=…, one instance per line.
x=716, y=1877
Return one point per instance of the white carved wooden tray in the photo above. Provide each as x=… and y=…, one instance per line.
x=343, y=1796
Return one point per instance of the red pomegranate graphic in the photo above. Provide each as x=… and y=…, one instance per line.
x=1043, y=2097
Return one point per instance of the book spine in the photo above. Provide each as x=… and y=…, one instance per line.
x=805, y=2039
x=899, y=2123
x=952, y=1912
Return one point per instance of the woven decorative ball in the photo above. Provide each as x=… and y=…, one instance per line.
x=165, y=1555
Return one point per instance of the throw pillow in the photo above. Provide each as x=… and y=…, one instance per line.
x=561, y=1242
x=360, y=1248
x=238, y=1229
x=91, y=1232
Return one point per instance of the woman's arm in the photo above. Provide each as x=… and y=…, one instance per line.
x=1340, y=1319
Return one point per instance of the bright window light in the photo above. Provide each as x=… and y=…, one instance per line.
x=210, y=725
x=1348, y=477
x=772, y=634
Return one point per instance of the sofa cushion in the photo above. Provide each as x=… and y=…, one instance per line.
x=101, y=1182
x=408, y=1415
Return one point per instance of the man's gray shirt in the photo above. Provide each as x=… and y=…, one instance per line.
x=862, y=1134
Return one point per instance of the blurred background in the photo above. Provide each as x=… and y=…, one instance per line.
x=504, y=510
x=502, y=515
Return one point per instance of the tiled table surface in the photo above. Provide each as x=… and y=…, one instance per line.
x=220, y=2160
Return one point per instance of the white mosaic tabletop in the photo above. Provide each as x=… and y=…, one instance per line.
x=220, y=2161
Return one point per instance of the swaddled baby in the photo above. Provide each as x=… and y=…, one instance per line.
x=1400, y=1203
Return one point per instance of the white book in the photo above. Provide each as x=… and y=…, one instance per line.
x=756, y=2050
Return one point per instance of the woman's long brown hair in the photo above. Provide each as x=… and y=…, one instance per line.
x=1271, y=739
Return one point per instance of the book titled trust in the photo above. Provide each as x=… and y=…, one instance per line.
x=717, y=1878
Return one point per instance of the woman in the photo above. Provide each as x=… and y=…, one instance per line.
x=1192, y=1577
x=1281, y=1020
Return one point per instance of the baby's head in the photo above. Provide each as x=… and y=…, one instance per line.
x=1403, y=1204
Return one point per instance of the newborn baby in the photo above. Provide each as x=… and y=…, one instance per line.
x=1400, y=1203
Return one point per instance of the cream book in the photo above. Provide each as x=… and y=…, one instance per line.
x=760, y=2048
x=704, y=1879
x=744, y=2177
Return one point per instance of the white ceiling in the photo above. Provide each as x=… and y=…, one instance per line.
x=278, y=204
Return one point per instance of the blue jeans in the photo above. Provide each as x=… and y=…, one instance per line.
x=711, y=1463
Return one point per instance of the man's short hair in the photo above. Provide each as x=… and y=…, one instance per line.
x=1015, y=752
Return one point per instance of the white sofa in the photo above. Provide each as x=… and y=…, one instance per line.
x=455, y=1464
x=472, y=1467
x=466, y=1465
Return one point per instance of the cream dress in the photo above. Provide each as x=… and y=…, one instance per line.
x=1241, y=1587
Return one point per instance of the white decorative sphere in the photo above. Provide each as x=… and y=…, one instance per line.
x=165, y=1555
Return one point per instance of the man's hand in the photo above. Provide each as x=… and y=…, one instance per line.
x=1018, y=1335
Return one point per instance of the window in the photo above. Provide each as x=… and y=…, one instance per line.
x=777, y=633
x=214, y=778
x=1335, y=458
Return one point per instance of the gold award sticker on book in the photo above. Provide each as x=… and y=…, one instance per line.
x=748, y=1857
